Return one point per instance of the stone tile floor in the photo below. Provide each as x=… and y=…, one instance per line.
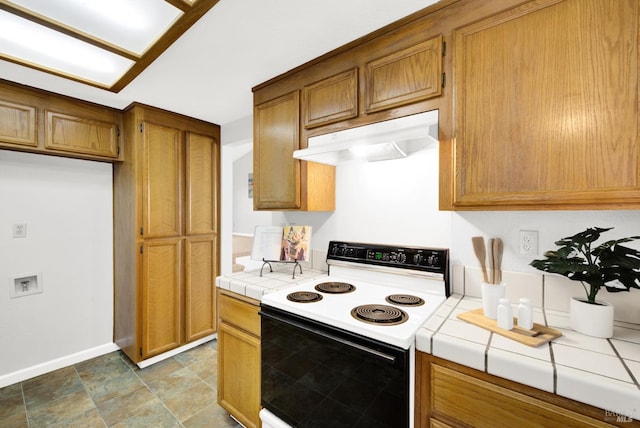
x=110, y=391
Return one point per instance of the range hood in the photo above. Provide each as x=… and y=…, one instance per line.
x=391, y=139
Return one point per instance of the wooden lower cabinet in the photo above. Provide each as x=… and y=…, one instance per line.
x=160, y=296
x=239, y=357
x=200, y=311
x=449, y=394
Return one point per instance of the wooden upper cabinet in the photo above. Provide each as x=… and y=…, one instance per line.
x=404, y=77
x=281, y=182
x=18, y=124
x=201, y=162
x=276, y=137
x=81, y=135
x=331, y=100
x=36, y=121
x=161, y=181
x=546, y=107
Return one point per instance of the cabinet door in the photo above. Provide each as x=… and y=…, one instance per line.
x=201, y=178
x=161, y=181
x=331, y=99
x=239, y=313
x=200, y=313
x=546, y=107
x=239, y=374
x=405, y=77
x=81, y=135
x=18, y=124
x=161, y=285
x=488, y=405
x=276, y=180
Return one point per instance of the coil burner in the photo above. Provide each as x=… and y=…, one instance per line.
x=404, y=300
x=335, y=287
x=379, y=314
x=304, y=297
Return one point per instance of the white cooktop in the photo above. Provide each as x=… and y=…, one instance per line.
x=335, y=309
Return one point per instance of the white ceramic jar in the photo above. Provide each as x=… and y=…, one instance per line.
x=525, y=314
x=505, y=314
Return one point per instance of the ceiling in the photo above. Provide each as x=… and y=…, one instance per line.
x=104, y=43
x=209, y=71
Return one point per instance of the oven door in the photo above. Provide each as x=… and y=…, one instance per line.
x=315, y=375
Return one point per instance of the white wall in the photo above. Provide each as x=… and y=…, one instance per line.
x=396, y=202
x=246, y=219
x=237, y=207
x=67, y=206
x=392, y=202
x=551, y=227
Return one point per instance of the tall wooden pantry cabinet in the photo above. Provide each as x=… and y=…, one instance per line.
x=166, y=208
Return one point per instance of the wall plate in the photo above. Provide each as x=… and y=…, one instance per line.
x=20, y=230
x=25, y=285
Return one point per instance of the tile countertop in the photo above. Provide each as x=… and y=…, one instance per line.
x=251, y=284
x=604, y=373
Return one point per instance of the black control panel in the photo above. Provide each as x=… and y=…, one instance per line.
x=435, y=260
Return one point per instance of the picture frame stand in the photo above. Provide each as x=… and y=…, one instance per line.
x=293, y=262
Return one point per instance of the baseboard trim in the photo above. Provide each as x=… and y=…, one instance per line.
x=58, y=363
x=149, y=361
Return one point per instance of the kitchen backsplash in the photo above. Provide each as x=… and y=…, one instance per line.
x=548, y=291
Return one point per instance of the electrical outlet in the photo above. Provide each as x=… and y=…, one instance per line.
x=20, y=230
x=528, y=242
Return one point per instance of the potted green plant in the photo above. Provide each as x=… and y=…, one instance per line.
x=609, y=264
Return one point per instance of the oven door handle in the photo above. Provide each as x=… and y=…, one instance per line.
x=386, y=357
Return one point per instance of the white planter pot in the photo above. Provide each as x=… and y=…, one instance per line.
x=592, y=320
x=491, y=295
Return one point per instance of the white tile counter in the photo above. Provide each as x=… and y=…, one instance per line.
x=604, y=373
x=251, y=284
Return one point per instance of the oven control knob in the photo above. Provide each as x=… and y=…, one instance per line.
x=401, y=258
x=417, y=259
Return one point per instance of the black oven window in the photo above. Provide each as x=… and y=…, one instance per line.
x=310, y=379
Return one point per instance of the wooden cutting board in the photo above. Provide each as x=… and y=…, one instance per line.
x=537, y=336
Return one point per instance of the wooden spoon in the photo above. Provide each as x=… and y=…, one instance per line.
x=481, y=254
x=498, y=248
x=492, y=272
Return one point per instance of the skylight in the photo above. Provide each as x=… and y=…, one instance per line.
x=104, y=43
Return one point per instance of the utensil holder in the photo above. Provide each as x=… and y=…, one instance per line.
x=491, y=295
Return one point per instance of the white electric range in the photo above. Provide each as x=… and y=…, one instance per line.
x=366, y=312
